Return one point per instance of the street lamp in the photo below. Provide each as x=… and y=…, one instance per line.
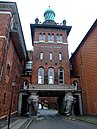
x=13, y=85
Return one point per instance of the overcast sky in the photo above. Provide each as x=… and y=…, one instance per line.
x=80, y=14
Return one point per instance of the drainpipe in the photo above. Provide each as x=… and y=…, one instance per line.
x=82, y=70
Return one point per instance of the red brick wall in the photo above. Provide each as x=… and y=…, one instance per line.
x=4, y=24
x=46, y=48
x=4, y=27
x=85, y=65
x=6, y=85
x=8, y=55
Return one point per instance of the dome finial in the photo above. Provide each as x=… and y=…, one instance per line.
x=49, y=5
x=49, y=14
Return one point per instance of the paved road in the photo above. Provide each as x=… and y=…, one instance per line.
x=53, y=121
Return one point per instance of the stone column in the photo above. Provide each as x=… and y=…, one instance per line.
x=33, y=104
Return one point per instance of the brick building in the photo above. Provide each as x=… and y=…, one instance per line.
x=51, y=68
x=51, y=76
x=84, y=67
x=13, y=55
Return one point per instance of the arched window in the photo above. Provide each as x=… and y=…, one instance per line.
x=40, y=76
x=50, y=37
x=59, y=38
x=51, y=56
x=60, y=56
x=26, y=84
x=41, y=56
x=61, y=76
x=75, y=83
x=50, y=76
x=42, y=37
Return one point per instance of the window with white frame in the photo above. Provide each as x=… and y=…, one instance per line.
x=61, y=76
x=59, y=38
x=42, y=37
x=50, y=76
x=41, y=76
x=60, y=56
x=25, y=84
x=41, y=56
x=50, y=37
x=51, y=56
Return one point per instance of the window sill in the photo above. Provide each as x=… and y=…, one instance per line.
x=51, y=41
x=59, y=42
x=41, y=41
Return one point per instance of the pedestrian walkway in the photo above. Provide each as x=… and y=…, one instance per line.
x=16, y=123
x=89, y=119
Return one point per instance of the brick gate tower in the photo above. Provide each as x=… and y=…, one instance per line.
x=51, y=68
x=50, y=57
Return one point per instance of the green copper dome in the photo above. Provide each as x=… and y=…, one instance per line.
x=49, y=14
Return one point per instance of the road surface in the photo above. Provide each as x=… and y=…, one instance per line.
x=53, y=121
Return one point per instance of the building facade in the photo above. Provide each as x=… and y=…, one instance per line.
x=52, y=75
x=51, y=68
x=13, y=55
x=84, y=67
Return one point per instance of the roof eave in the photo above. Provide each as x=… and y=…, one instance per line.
x=63, y=27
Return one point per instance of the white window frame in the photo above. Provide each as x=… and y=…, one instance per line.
x=60, y=80
x=50, y=76
x=41, y=75
x=41, y=37
x=50, y=37
x=60, y=56
x=59, y=38
x=41, y=56
x=51, y=56
x=25, y=85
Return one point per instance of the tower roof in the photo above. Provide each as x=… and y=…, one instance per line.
x=49, y=14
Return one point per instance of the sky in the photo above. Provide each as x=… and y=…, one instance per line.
x=80, y=14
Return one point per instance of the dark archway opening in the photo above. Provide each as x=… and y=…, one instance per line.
x=76, y=106
x=24, y=108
